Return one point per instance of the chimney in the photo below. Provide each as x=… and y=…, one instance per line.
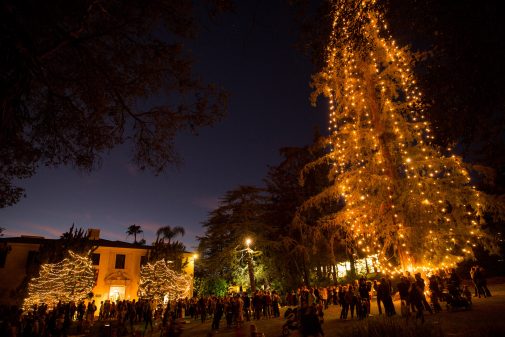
x=93, y=234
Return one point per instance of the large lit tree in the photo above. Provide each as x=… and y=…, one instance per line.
x=159, y=279
x=403, y=197
x=71, y=279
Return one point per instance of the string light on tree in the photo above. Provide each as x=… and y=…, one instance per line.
x=72, y=279
x=403, y=198
x=158, y=280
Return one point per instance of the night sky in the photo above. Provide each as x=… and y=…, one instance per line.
x=251, y=54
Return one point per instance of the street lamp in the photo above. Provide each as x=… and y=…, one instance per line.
x=192, y=274
x=250, y=266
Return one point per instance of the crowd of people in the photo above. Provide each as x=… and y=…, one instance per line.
x=307, y=306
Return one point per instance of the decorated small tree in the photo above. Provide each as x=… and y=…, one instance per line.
x=71, y=279
x=405, y=199
x=158, y=280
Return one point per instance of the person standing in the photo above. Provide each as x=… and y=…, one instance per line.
x=416, y=299
x=148, y=316
x=218, y=313
x=346, y=302
x=378, y=295
x=420, y=283
x=247, y=306
x=202, y=308
x=474, y=281
x=90, y=312
x=403, y=289
x=324, y=297
x=435, y=292
x=387, y=299
x=483, y=282
x=240, y=310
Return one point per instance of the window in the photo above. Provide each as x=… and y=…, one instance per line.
x=143, y=260
x=95, y=259
x=3, y=256
x=120, y=260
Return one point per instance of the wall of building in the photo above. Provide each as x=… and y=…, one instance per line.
x=112, y=283
x=124, y=281
x=13, y=272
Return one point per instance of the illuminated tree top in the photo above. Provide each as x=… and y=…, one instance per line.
x=403, y=196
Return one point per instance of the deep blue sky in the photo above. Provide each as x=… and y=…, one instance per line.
x=251, y=54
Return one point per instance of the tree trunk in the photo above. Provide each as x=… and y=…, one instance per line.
x=353, y=266
x=250, y=268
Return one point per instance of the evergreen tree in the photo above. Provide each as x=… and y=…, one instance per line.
x=298, y=244
x=240, y=215
x=403, y=197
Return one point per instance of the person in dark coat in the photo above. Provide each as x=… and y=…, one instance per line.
x=379, y=296
x=416, y=299
x=385, y=293
x=420, y=283
x=217, y=315
x=403, y=289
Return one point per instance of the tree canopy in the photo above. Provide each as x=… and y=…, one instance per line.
x=79, y=78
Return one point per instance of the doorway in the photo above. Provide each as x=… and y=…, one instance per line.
x=117, y=293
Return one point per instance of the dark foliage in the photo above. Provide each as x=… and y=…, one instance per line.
x=135, y=230
x=165, y=247
x=240, y=215
x=78, y=78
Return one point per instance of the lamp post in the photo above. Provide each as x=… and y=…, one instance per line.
x=192, y=288
x=250, y=266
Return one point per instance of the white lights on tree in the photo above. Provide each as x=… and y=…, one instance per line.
x=158, y=280
x=72, y=279
x=403, y=198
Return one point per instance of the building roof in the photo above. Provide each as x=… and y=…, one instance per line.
x=100, y=242
x=29, y=239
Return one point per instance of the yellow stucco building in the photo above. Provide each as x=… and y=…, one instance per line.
x=118, y=266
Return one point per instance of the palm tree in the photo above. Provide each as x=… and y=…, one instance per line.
x=165, y=247
x=134, y=230
x=169, y=233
